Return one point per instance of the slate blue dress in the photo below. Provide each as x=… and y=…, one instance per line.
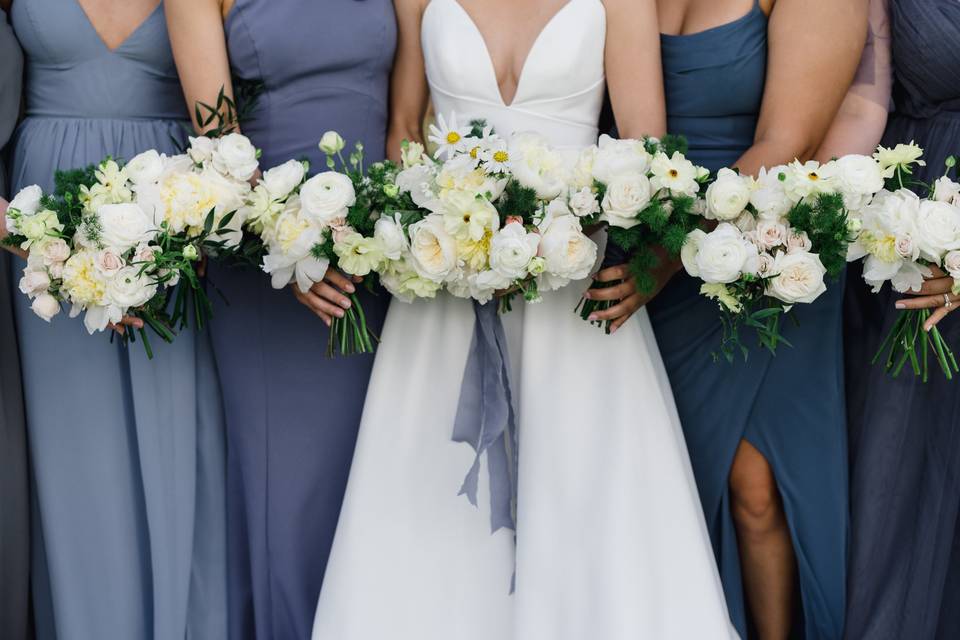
x=293, y=414
x=127, y=454
x=790, y=407
x=14, y=490
x=905, y=435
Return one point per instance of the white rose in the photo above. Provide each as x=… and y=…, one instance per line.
x=389, y=233
x=45, y=306
x=108, y=263
x=145, y=168
x=728, y=196
x=951, y=262
x=938, y=229
x=568, y=254
x=27, y=201
x=724, y=255
x=34, y=282
x=799, y=278
x=201, y=149
x=327, y=196
x=615, y=158
x=124, y=226
x=798, y=241
x=512, y=249
x=858, y=178
x=55, y=251
x=235, y=157
x=536, y=165
x=144, y=253
x=331, y=143
x=946, y=190
x=626, y=196
x=770, y=235
x=280, y=181
x=906, y=248
x=433, y=251
x=584, y=203
x=128, y=289
x=689, y=251
x=765, y=264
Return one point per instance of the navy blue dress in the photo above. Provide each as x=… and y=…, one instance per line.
x=790, y=407
x=905, y=435
x=292, y=413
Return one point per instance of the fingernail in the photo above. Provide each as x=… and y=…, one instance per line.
x=351, y=288
x=339, y=313
x=587, y=295
x=900, y=305
x=613, y=330
x=593, y=317
x=345, y=304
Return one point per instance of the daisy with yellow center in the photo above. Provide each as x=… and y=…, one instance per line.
x=447, y=136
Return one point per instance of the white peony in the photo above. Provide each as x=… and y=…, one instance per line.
x=129, y=289
x=567, y=252
x=124, y=226
x=728, y=196
x=724, y=255
x=289, y=257
x=938, y=229
x=433, y=251
x=798, y=279
x=282, y=180
x=946, y=190
x=626, y=196
x=538, y=166
x=45, y=306
x=145, y=168
x=327, y=196
x=236, y=157
x=584, y=203
x=512, y=249
x=389, y=233
x=615, y=158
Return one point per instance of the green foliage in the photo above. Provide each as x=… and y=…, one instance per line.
x=518, y=200
x=825, y=223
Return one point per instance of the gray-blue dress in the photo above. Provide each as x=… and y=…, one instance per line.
x=791, y=406
x=293, y=414
x=127, y=453
x=905, y=435
x=14, y=496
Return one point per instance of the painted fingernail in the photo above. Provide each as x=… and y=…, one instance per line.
x=587, y=295
x=339, y=313
x=351, y=288
x=613, y=330
x=593, y=317
x=900, y=305
x=345, y=303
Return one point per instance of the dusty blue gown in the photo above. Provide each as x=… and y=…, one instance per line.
x=127, y=453
x=14, y=495
x=905, y=435
x=790, y=407
x=293, y=414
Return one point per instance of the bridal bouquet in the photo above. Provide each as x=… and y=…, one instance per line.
x=901, y=237
x=114, y=239
x=777, y=238
x=646, y=192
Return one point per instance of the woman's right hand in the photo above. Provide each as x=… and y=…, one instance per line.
x=327, y=298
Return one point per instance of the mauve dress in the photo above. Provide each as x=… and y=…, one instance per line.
x=14, y=492
x=292, y=413
x=127, y=453
x=905, y=435
x=790, y=407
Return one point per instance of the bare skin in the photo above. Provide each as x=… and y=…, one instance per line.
x=814, y=48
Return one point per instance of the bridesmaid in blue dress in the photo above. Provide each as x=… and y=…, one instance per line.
x=766, y=437
x=292, y=414
x=14, y=496
x=904, y=434
x=127, y=453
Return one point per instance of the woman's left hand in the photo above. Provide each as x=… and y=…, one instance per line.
x=626, y=292
x=936, y=292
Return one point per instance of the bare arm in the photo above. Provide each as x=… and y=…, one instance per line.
x=409, y=93
x=814, y=48
x=200, y=50
x=634, y=73
x=862, y=118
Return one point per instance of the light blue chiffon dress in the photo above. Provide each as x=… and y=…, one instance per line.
x=127, y=453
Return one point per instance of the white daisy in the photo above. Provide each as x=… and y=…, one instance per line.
x=449, y=138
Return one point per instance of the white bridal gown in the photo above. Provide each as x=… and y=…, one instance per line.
x=611, y=542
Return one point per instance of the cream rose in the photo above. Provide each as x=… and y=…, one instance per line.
x=770, y=235
x=568, y=254
x=433, y=251
x=625, y=197
x=799, y=278
x=584, y=203
x=45, y=306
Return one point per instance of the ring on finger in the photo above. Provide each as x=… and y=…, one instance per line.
x=947, y=302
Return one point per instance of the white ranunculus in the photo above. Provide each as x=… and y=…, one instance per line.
x=568, y=253
x=626, y=196
x=468, y=217
x=145, y=168
x=799, y=278
x=615, y=158
x=584, y=203
x=858, y=178
x=728, y=196
x=946, y=190
x=27, y=201
x=128, y=289
x=124, y=226
x=724, y=255
x=280, y=181
x=108, y=263
x=511, y=250
x=951, y=263
x=236, y=157
x=201, y=149
x=433, y=251
x=538, y=166
x=34, y=281
x=938, y=229
x=770, y=235
x=769, y=197
x=45, y=306
x=55, y=251
x=389, y=232
x=327, y=196
x=674, y=173
x=331, y=143
x=689, y=251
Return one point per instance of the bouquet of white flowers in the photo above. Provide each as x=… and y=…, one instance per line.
x=776, y=239
x=647, y=193
x=900, y=237
x=114, y=240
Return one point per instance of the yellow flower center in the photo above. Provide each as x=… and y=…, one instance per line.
x=501, y=156
x=474, y=152
x=453, y=137
x=813, y=176
x=673, y=173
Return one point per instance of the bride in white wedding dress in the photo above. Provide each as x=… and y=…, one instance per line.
x=610, y=541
